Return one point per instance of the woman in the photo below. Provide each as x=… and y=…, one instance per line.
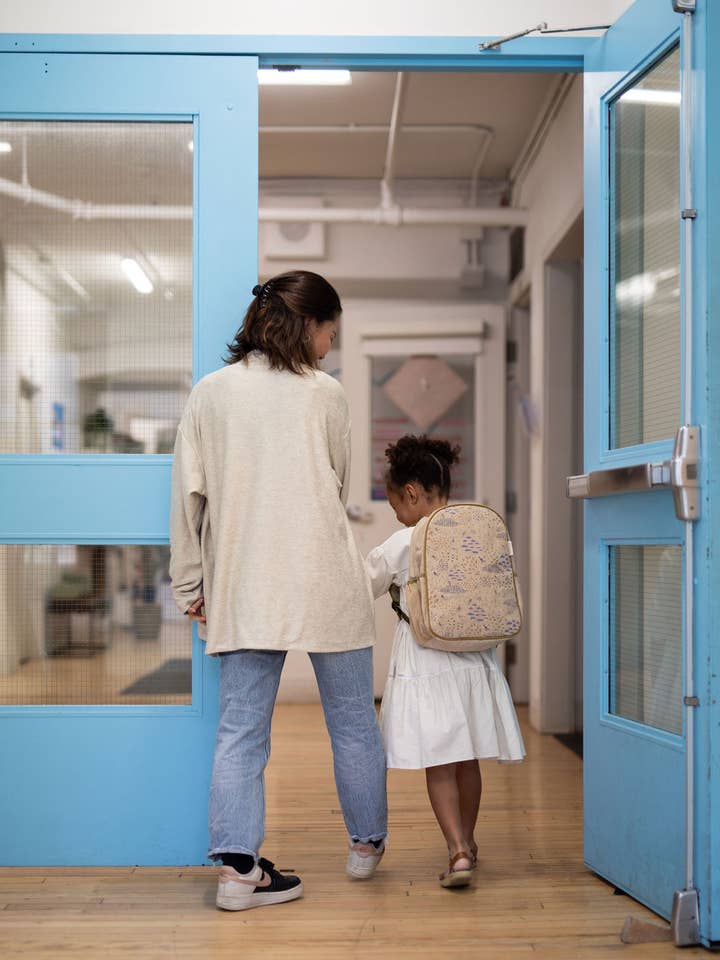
x=263, y=558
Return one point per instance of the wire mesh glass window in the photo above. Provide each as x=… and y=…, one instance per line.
x=646, y=635
x=91, y=624
x=645, y=257
x=95, y=285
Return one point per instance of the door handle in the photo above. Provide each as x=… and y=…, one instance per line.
x=681, y=474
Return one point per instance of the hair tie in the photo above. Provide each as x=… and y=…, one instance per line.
x=257, y=289
x=442, y=470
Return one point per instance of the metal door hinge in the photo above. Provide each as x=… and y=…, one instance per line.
x=689, y=214
x=681, y=473
x=691, y=701
x=684, y=6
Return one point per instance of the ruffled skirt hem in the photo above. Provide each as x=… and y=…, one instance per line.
x=446, y=708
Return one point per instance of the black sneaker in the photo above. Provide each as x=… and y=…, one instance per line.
x=263, y=885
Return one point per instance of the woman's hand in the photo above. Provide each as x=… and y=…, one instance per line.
x=196, y=610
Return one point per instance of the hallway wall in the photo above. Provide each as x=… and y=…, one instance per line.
x=553, y=194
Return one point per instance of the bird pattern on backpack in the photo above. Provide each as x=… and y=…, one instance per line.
x=466, y=595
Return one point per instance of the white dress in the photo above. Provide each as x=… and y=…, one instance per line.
x=439, y=707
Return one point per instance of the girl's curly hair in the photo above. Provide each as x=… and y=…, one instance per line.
x=421, y=460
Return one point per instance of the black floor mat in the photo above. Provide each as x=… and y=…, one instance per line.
x=174, y=676
x=572, y=740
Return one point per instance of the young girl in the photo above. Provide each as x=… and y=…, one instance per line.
x=440, y=711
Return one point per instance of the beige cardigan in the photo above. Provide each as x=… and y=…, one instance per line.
x=257, y=520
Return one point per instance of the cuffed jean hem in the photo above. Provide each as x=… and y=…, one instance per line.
x=374, y=837
x=216, y=855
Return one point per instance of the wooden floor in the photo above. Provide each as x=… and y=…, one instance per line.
x=90, y=676
x=532, y=897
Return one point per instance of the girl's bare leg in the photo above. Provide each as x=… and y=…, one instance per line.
x=469, y=785
x=444, y=796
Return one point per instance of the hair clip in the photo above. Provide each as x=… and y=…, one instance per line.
x=262, y=291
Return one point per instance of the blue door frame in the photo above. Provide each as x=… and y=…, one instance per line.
x=542, y=54
x=128, y=784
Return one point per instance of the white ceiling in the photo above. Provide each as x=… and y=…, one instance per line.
x=509, y=103
x=151, y=163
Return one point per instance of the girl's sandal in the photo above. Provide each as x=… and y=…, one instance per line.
x=473, y=855
x=454, y=877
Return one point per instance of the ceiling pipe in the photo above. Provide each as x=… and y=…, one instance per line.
x=487, y=136
x=478, y=165
x=384, y=128
x=387, y=200
x=392, y=215
x=85, y=210
x=534, y=143
x=397, y=216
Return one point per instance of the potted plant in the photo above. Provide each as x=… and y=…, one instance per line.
x=97, y=430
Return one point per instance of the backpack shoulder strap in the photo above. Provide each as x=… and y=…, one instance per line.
x=395, y=597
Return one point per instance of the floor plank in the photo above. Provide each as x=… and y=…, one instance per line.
x=533, y=897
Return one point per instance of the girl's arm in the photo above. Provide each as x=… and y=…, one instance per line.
x=380, y=573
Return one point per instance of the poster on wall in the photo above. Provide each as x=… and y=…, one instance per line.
x=423, y=395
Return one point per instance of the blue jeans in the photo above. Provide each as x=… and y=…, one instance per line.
x=249, y=682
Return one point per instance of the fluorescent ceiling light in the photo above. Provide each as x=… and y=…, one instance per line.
x=638, y=95
x=73, y=283
x=136, y=275
x=5, y=147
x=301, y=77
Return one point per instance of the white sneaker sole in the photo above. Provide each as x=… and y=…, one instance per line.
x=361, y=868
x=246, y=901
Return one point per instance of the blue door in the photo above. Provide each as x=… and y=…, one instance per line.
x=646, y=522
x=128, y=248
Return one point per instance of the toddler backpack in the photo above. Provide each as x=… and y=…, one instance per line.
x=462, y=593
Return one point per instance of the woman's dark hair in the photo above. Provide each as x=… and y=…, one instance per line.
x=421, y=460
x=275, y=320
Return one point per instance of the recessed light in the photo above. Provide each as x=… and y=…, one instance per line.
x=5, y=147
x=191, y=146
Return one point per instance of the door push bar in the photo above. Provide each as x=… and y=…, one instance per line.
x=680, y=473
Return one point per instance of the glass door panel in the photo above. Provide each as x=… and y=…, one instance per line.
x=645, y=257
x=91, y=624
x=646, y=635
x=97, y=258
